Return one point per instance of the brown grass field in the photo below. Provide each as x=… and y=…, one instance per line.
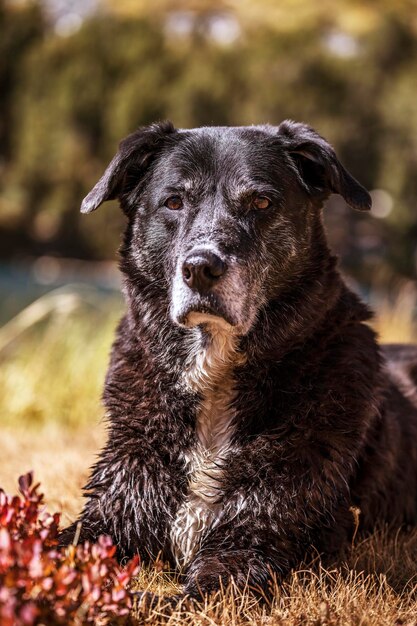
x=53, y=358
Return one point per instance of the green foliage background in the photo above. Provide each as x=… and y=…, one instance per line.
x=66, y=101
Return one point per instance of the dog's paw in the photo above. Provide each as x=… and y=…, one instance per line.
x=145, y=602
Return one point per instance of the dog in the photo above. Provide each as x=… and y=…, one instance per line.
x=249, y=404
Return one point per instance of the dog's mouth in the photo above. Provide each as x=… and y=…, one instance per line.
x=207, y=313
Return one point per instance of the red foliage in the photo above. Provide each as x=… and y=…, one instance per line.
x=40, y=583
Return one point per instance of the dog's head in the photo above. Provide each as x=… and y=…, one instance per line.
x=223, y=219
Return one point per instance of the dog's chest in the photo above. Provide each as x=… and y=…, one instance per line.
x=203, y=507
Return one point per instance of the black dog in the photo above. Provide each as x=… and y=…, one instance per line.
x=249, y=403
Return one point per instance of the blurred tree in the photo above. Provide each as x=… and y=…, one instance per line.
x=348, y=68
x=21, y=28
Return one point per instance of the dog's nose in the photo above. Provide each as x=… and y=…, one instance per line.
x=202, y=269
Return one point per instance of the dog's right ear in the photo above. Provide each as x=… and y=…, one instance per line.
x=136, y=150
x=319, y=170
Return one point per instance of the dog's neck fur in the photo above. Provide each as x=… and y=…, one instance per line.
x=213, y=356
x=214, y=350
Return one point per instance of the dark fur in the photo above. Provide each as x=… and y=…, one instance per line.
x=321, y=423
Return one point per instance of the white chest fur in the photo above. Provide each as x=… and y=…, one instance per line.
x=210, y=372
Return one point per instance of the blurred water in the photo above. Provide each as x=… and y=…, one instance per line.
x=22, y=283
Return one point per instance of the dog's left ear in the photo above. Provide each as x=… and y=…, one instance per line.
x=135, y=152
x=318, y=168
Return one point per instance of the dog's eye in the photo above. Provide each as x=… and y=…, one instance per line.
x=174, y=203
x=261, y=202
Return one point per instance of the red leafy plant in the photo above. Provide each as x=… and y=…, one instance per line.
x=42, y=584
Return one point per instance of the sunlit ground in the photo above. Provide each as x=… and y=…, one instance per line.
x=53, y=358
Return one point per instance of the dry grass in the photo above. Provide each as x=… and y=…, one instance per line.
x=339, y=597
x=376, y=585
x=52, y=364
x=60, y=458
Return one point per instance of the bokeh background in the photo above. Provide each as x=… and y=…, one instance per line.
x=78, y=75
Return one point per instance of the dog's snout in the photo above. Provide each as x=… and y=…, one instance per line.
x=202, y=269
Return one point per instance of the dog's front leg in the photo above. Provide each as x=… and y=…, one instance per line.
x=248, y=569
x=131, y=501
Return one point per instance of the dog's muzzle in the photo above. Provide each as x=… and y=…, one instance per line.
x=199, y=289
